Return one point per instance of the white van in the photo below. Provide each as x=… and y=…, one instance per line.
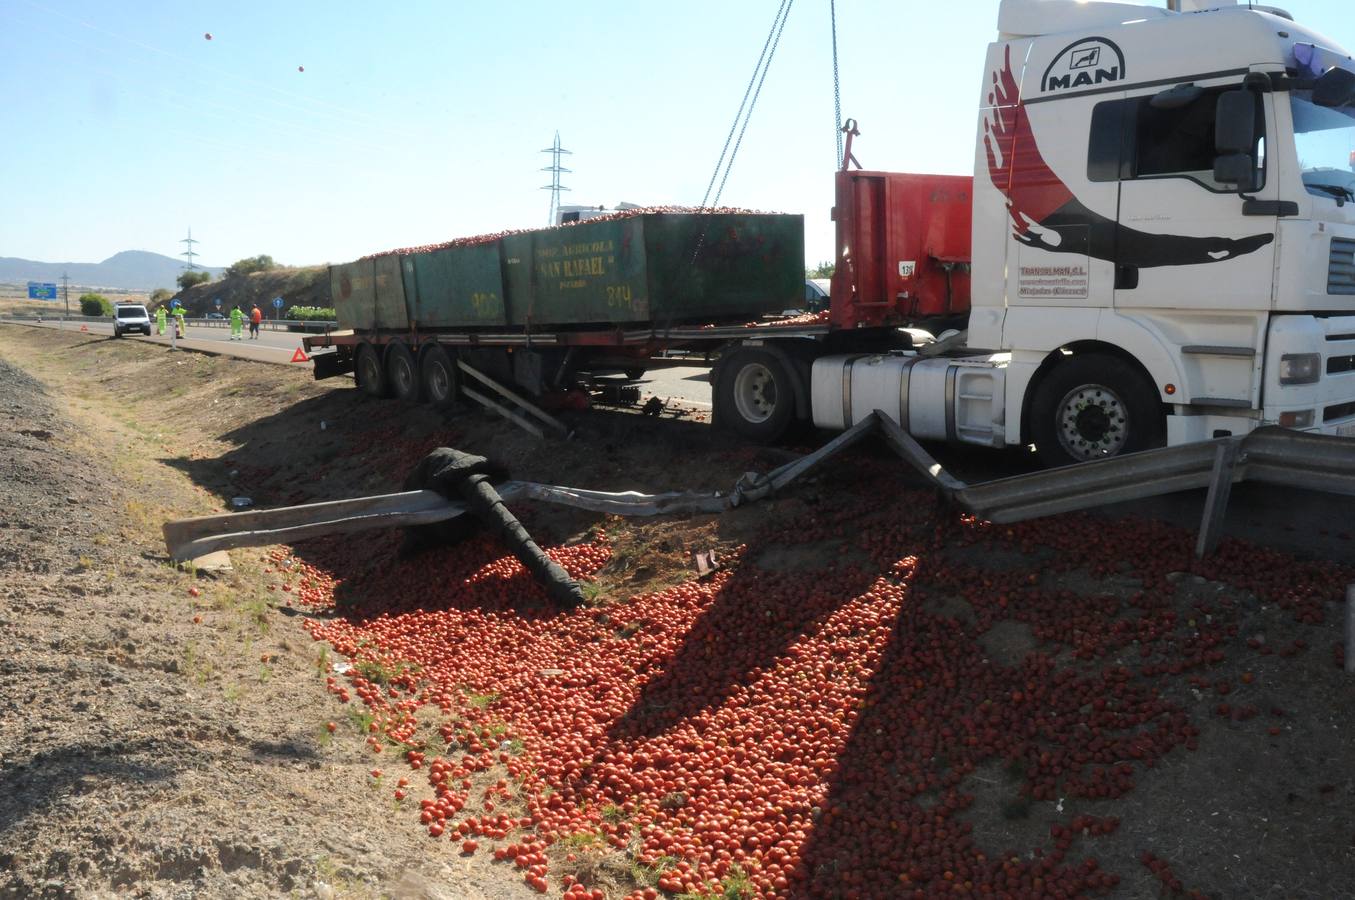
x=130, y=317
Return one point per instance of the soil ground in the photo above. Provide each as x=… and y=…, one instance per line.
x=164, y=733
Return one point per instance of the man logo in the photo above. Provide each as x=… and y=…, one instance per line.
x=1085, y=59
x=1085, y=63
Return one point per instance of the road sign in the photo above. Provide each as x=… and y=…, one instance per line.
x=277, y=303
x=217, y=301
x=41, y=290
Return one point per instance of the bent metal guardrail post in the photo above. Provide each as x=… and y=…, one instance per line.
x=1216, y=502
x=1271, y=455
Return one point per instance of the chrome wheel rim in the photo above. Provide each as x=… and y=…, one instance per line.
x=755, y=393
x=1092, y=422
x=403, y=377
x=439, y=384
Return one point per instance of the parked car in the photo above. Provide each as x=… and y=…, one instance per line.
x=130, y=317
x=816, y=298
x=215, y=315
x=816, y=294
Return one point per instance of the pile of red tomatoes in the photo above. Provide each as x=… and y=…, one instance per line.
x=807, y=731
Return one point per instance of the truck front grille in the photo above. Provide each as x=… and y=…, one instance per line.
x=1338, y=364
x=1339, y=411
x=1341, y=269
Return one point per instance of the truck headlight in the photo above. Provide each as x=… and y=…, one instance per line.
x=1300, y=368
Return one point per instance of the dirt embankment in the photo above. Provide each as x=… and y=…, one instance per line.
x=308, y=286
x=164, y=734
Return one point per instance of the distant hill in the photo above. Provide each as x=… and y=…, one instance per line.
x=137, y=270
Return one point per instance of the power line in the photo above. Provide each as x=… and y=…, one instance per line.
x=760, y=70
x=556, y=151
x=757, y=93
x=837, y=90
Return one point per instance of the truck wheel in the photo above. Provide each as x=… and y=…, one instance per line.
x=1094, y=407
x=754, y=396
x=438, y=374
x=371, y=377
x=402, y=379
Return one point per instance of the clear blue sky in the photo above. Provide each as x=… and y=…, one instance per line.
x=416, y=122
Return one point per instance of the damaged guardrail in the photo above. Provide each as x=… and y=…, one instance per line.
x=1270, y=455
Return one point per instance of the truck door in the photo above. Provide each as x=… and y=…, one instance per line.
x=1058, y=213
x=1184, y=240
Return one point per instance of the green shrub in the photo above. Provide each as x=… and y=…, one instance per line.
x=311, y=314
x=249, y=265
x=193, y=276
x=95, y=305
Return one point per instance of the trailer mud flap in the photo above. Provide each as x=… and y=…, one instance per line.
x=329, y=365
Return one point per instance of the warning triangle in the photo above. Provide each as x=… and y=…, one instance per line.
x=300, y=356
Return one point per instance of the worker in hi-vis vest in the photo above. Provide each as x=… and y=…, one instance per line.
x=160, y=318
x=237, y=323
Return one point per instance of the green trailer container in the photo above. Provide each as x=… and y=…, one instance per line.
x=455, y=287
x=369, y=294
x=659, y=268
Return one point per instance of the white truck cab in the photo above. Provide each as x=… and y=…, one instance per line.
x=1163, y=237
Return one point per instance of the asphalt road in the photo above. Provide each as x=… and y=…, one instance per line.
x=687, y=383
x=272, y=346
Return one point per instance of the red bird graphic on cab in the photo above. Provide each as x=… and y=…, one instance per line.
x=1046, y=214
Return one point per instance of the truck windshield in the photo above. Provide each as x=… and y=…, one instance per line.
x=1325, y=139
x=131, y=312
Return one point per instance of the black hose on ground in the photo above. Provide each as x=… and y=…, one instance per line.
x=471, y=479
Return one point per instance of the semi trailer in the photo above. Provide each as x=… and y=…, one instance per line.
x=1156, y=246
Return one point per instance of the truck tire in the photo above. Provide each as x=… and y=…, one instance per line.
x=370, y=375
x=1094, y=407
x=754, y=396
x=402, y=376
x=438, y=376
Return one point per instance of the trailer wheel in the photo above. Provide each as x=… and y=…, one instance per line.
x=371, y=377
x=438, y=375
x=402, y=378
x=1094, y=407
x=754, y=396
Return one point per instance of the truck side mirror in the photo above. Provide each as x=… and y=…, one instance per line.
x=1235, y=169
x=1235, y=122
x=1176, y=96
x=1235, y=139
x=1335, y=88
